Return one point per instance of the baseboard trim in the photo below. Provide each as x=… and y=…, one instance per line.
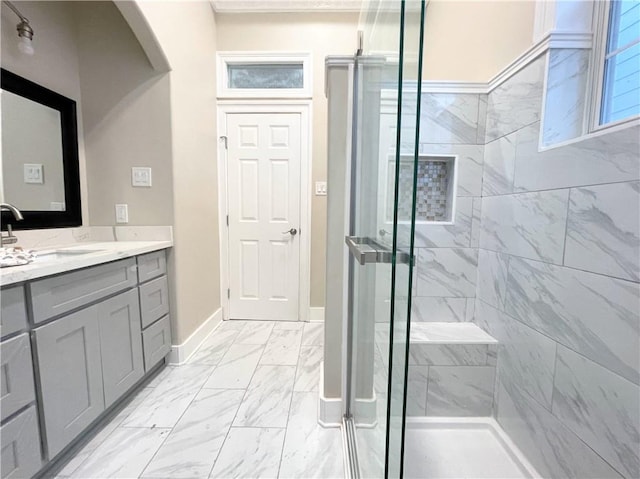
x=367, y=412
x=316, y=314
x=180, y=353
x=329, y=409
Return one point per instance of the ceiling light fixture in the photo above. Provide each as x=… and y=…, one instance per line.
x=25, y=32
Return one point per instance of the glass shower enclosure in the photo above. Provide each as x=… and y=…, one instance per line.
x=382, y=203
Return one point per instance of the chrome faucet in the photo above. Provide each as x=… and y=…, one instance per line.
x=10, y=238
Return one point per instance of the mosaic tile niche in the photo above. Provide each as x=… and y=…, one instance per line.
x=434, y=189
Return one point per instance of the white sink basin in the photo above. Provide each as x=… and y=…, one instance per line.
x=58, y=254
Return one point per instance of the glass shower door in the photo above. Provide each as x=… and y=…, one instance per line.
x=383, y=172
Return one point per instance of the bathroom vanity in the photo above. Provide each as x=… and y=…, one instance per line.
x=80, y=329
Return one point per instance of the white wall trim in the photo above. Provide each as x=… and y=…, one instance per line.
x=180, y=353
x=329, y=409
x=556, y=40
x=305, y=109
x=316, y=314
x=551, y=40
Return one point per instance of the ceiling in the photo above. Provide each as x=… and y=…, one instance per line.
x=240, y=6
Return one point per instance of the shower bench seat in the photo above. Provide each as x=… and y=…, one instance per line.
x=452, y=369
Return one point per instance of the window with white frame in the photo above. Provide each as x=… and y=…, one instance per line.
x=264, y=75
x=619, y=76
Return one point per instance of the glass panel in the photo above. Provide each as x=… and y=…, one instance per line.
x=387, y=89
x=621, y=86
x=265, y=76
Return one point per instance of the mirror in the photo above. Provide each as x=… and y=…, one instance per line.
x=40, y=174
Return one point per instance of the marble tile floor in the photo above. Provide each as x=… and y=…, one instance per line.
x=244, y=406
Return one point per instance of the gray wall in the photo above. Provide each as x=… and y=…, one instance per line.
x=558, y=272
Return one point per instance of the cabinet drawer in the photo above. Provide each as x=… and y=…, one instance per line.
x=21, y=457
x=59, y=294
x=14, y=312
x=151, y=266
x=16, y=375
x=70, y=373
x=156, y=340
x=154, y=300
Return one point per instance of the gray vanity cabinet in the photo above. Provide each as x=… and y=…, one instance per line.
x=73, y=345
x=13, y=316
x=16, y=375
x=20, y=445
x=70, y=373
x=120, y=344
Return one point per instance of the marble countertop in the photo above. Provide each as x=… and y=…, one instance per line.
x=61, y=259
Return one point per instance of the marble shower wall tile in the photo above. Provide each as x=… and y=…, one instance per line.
x=482, y=118
x=565, y=95
x=470, y=161
x=552, y=448
x=595, y=315
x=531, y=225
x=598, y=159
x=449, y=310
x=448, y=354
x=602, y=408
x=499, y=166
x=194, y=443
x=417, y=390
x=476, y=222
x=449, y=118
x=603, y=230
x=525, y=357
x=492, y=277
x=444, y=236
x=517, y=102
x=448, y=272
x=460, y=390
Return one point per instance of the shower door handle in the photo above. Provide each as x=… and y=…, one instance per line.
x=367, y=250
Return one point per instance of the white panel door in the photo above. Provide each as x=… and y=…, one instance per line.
x=263, y=168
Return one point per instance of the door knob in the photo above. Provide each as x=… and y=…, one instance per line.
x=292, y=232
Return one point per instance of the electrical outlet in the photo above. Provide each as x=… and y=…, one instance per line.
x=141, y=176
x=321, y=188
x=122, y=213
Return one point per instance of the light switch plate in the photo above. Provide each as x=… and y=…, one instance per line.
x=33, y=173
x=122, y=213
x=321, y=188
x=141, y=176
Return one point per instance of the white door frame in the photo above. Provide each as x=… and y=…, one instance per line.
x=304, y=108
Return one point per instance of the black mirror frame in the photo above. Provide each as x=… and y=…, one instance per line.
x=72, y=216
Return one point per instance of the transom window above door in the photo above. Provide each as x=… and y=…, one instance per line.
x=264, y=75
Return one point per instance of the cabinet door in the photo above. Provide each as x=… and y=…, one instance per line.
x=16, y=375
x=120, y=344
x=70, y=372
x=20, y=446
